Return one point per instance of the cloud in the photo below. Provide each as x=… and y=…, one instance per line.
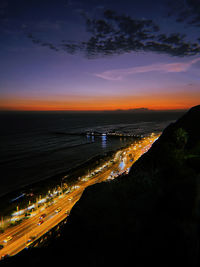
x=187, y=11
x=43, y=44
x=120, y=74
x=114, y=34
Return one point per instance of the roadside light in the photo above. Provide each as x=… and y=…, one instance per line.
x=124, y=159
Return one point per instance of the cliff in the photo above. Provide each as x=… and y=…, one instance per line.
x=150, y=216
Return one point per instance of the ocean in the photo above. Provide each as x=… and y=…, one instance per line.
x=36, y=145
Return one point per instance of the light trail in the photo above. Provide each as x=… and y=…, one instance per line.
x=29, y=228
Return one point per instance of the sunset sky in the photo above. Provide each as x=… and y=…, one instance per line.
x=40, y=72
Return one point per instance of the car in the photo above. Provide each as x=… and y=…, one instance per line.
x=58, y=210
x=4, y=256
x=42, y=216
x=40, y=222
x=31, y=238
x=29, y=241
x=8, y=238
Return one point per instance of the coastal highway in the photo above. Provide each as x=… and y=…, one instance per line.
x=23, y=234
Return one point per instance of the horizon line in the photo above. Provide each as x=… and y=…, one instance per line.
x=95, y=110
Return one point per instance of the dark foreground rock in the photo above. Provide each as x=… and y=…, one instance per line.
x=150, y=217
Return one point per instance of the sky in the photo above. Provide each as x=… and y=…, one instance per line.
x=99, y=55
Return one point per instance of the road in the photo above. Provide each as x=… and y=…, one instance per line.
x=28, y=228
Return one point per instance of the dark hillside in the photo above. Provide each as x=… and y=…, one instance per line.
x=150, y=217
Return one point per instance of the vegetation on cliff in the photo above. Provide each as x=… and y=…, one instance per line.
x=150, y=216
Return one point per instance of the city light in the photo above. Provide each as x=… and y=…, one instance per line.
x=52, y=208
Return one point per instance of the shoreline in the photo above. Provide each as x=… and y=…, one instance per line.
x=41, y=187
x=56, y=205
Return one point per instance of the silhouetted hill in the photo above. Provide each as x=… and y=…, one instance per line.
x=149, y=217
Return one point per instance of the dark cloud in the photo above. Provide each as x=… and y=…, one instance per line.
x=187, y=11
x=44, y=44
x=51, y=46
x=116, y=34
x=173, y=39
x=71, y=48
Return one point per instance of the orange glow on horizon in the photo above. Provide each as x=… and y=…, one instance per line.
x=89, y=103
x=46, y=108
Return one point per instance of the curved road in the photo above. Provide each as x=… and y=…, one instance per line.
x=22, y=232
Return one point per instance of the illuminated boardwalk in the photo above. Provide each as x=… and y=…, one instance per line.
x=20, y=236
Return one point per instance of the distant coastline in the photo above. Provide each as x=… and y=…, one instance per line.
x=131, y=110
